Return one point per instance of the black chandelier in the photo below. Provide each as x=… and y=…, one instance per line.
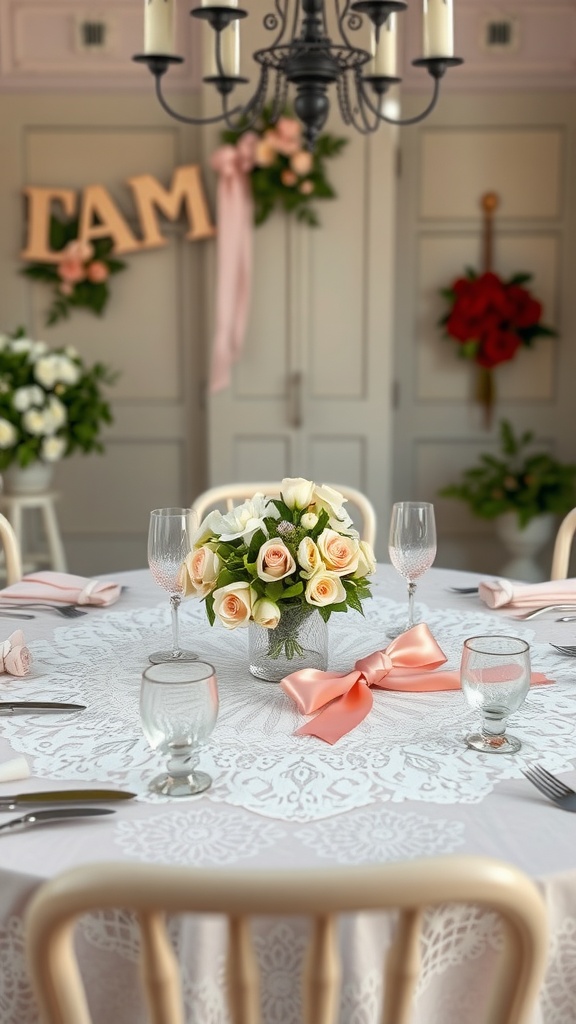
x=303, y=55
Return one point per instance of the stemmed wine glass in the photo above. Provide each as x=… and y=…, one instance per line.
x=170, y=539
x=495, y=678
x=178, y=711
x=412, y=546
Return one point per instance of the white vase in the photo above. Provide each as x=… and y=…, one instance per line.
x=32, y=479
x=524, y=545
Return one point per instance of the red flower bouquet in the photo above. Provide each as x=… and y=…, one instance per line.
x=491, y=318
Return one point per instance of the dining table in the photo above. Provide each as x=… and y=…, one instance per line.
x=399, y=786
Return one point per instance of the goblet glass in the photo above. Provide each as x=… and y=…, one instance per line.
x=495, y=678
x=170, y=539
x=412, y=546
x=178, y=711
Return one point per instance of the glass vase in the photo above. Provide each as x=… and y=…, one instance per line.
x=300, y=640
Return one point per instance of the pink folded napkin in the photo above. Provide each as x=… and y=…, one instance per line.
x=526, y=596
x=15, y=658
x=61, y=586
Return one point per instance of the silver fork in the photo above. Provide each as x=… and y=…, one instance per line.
x=545, y=608
x=570, y=651
x=69, y=611
x=556, y=791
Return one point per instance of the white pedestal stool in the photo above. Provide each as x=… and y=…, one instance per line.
x=15, y=505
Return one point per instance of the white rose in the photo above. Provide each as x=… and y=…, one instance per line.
x=309, y=557
x=36, y=423
x=203, y=566
x=68, y=371
x=296, y=492
x=46, y=370
x=22, y=399
x=266, y=613
x=8, y=434
x=56, y=413
x=242, y=521
x=71, y=352
x=233, y=604
x=274, y=561
x=340, y=553
x=22, y=345
x=324, y=588
x=366, y=560
x=330, y=499
x=4, y=341
x=309, y=520
x=52, y=448
x=38, y=349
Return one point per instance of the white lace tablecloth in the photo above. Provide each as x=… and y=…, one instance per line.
x=401, y=785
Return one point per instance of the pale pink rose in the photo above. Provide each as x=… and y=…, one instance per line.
x=301, y=162
x=288, y=135
x=97, y=272
x=233, y=604
x=266, y=613
x=366, y=560
x=288, y=178
x=309, y=558
x=306, y=187
x=274, y=561
x=265, y=154
x=202, y=567
x=325, y=588
x=15, y=658
x=79, y=250
x=340, y=553
x=71, y=271
x=66, y=288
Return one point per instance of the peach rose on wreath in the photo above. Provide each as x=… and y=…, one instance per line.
x=233, y=604
x=79, y=250
x=306, y=187
x=325, y=587
x=274, y=561
x=340, y=553
x=288, y=178
x=71, y=271
x=265, y=154
x=97, y=272
x=302, y=162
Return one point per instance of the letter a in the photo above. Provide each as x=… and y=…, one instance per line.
x=186, y=188
x=101, y=218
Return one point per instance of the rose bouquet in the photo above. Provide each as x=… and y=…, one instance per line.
x=51, y=403
x=270, y=556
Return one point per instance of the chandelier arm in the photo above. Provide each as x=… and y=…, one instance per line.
x=402, y=122
x=251, y=112
x=190, y=120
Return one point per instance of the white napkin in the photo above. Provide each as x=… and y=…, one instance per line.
x=15, y=768
x=526, y=596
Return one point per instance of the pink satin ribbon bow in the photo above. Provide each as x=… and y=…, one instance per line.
x=343, y=700
x=234, y=254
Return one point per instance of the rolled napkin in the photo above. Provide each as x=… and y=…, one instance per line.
x=15, y=658
x=61, y=586
x=410, y=663
x=526, y=596
x=14, y=769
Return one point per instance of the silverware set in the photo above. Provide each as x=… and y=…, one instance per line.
x=66, y=804
x=556, y=791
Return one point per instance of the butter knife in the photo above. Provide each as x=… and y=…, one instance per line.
x=56, y=813
x=63, y=796
x=22, y=707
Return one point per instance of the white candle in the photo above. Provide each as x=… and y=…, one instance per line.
x=438, y=27
x=384, y=50
x=159, y=26
x=229, y=50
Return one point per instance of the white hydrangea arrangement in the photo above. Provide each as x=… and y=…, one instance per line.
x=51, y=403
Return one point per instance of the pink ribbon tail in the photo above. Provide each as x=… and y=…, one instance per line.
x=341, y=716
x=233, y=259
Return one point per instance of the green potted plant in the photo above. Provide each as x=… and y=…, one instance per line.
x=523, y=491
x=51, y=405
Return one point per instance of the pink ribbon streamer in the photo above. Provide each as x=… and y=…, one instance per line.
x=233, y=254
x=343, y=700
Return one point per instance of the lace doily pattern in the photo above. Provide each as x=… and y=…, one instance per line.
x=410, y=747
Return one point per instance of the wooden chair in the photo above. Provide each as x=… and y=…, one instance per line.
x=153, y=890
x=228, y=495
x=562, y=546
x=11, y=551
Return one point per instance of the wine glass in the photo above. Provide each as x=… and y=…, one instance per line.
x=412, y=546
x=495, y=678
x=178, y=711
x=169, y=540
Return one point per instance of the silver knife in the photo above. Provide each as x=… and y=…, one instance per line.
x=63, y=796
x=21, y=707
x=41, y=817
x=17, y=615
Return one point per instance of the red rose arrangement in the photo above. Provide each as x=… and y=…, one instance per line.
x=491, y=318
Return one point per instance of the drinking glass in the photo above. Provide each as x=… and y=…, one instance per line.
x=412, y=546
x=170, y=539
x=178, y=711
x=495, y=678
